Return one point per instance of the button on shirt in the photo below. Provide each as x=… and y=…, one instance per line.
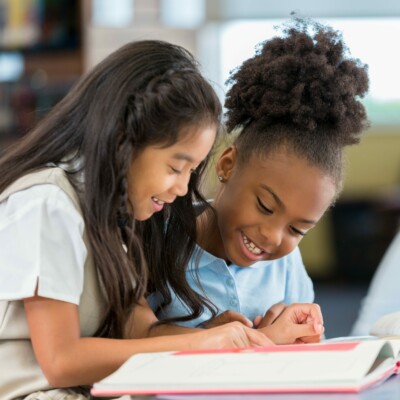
x=248, y=290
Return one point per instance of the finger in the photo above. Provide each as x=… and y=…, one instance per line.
x=315, y=317
x=257, y=320
x=232, y=316
x=273, y=314
x=258, y=339
x=226, y=317
x=308, y=313
x=305, y=330
x=309, y=339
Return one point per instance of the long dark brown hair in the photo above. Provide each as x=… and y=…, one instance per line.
x=146, y=93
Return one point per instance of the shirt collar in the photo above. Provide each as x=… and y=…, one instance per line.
x=205, y=259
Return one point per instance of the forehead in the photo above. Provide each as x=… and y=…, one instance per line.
x=291, y=177
x=193, y=144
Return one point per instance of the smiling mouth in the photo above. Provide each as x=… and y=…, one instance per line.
x=158, y=201
x=251, y=246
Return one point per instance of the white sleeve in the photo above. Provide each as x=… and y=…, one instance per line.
x=41, y=244
x=383, y=294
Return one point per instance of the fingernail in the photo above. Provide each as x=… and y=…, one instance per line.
x=319, y=328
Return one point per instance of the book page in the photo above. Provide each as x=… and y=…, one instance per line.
x=394, y=341
x=301, y=366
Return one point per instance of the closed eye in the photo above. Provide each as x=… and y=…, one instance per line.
x=175, y=171
x=297, y=231
x=263, y=207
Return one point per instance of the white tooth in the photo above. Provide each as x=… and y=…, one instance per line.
x=160, y=202
x=251, y=246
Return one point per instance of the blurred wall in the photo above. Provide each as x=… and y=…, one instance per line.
x=372, y=173
x=373, y=166
x=102, y=40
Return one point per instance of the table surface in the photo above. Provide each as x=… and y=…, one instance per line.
x=388, y=390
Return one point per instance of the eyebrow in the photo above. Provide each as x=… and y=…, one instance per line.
x=282, y=205
x=183, y=156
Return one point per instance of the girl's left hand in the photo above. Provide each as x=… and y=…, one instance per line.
x=270, y=316
x=226, y=317
x=297, y=323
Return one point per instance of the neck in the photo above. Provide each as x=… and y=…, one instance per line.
x=209, y=236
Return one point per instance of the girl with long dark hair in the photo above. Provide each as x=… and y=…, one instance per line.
x=130, y=140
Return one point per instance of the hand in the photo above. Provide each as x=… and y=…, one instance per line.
x=270, y=316
x=298, y=323
x=226, y=317
x=230, y=335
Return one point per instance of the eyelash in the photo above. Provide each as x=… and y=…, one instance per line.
x=263, y=208
x=297, y=232
x=177, y=171
x=267, y=211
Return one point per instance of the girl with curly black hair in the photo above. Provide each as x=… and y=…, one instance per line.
x=295, y=105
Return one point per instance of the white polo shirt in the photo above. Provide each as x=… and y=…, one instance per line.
x=41, y=236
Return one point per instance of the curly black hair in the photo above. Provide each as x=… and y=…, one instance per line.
x=302, y=91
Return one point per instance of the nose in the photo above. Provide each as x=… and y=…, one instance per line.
x=181, y=185
x=272, y=236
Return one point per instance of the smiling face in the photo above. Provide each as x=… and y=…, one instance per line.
x=266, y=206
x=159, y=174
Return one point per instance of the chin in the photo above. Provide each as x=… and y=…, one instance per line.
x=143, y=216
x=240, y=262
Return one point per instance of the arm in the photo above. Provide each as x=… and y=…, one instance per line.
x=67, y=359
x=147, y=326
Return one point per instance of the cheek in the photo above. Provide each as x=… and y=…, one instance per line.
x=132, y=195
x=288, y=245
x=138, y=188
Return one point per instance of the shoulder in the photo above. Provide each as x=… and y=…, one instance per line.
x=46, y=199
x=201, y=259
x=49, y=175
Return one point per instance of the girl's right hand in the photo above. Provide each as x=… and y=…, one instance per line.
x=230, y=335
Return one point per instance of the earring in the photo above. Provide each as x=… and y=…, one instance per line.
x=220, y=178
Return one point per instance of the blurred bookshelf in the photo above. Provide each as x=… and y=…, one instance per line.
x=40, y=60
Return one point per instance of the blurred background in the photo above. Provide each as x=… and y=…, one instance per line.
x=46, y=45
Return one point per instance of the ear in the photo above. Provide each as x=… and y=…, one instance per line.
x=226, y=163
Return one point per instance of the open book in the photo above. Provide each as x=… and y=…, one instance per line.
x=322, y=367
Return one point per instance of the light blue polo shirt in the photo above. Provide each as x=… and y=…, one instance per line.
x=248, y=290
